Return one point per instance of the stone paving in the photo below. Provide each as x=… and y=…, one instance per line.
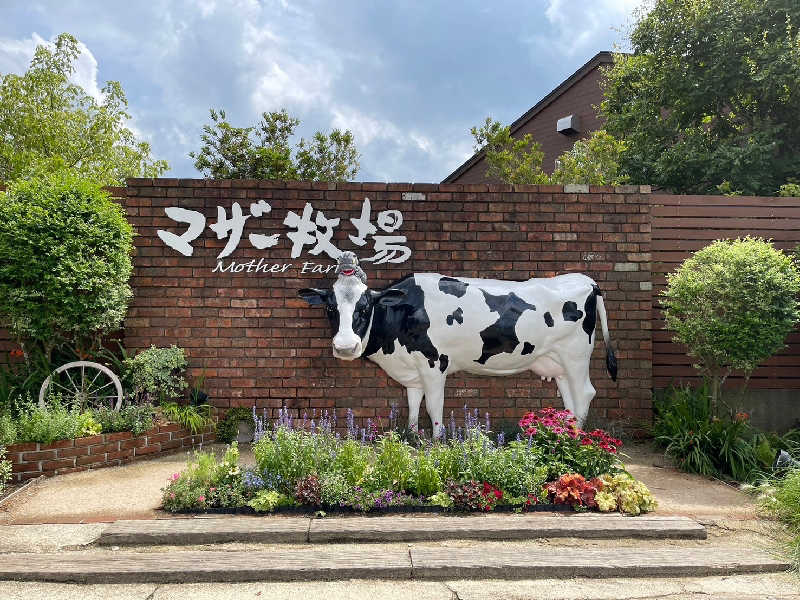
x=386, y=529
x=417, y=562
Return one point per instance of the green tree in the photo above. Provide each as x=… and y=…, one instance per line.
x=732, y=304
x=594, y=160
x=65, y=261
x=709, y=96
x=230, y=152
x=48, y=123
x=509, y=159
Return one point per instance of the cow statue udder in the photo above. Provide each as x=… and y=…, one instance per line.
x=426, y=326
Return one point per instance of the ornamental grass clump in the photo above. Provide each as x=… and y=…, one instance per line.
x=779, y=497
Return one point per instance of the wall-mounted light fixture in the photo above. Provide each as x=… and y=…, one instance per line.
x=568, y=125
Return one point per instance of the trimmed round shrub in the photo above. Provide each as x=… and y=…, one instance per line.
x=732, y=304
x=65, y=261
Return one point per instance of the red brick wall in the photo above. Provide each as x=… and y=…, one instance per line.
x=259, y=345
x=107, y=450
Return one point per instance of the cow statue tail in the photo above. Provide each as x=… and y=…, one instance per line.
x=611, y=359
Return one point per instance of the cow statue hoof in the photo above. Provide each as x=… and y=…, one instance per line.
x=426, y=326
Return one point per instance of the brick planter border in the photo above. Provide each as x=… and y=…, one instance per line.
x=31, y=460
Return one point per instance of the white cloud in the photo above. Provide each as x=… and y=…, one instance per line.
x=286, y=73
x=207, y=7
x=584, y=28
x=16, y=55
x=365, y=129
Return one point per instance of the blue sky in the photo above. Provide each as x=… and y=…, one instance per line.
x=408, y=78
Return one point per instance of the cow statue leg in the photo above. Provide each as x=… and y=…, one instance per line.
x=576, y=389
x=433, y=383
x=414, y=401
x=566, y=393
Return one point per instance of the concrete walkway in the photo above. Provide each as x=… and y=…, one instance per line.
x=735, y=587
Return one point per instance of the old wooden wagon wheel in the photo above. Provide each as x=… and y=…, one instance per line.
x=84, y=384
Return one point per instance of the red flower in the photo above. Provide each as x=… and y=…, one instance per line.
x=16, y=353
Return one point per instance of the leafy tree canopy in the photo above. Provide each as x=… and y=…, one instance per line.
x=265, y=152
x=48, y=123
x=509, y=159
x=710, y=96
x=594, y=160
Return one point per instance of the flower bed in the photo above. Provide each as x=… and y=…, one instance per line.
x=32, y=459
x=308, y=466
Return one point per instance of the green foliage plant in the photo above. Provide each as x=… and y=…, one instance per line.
x=291, y=455
x=732, y=304
x=230, y=152
x=157, y=373
x=624, y=493
x=193, y=418
x=700, y=442
x=509, y=159
x=136, y=418
x=593, y=161
x=48, y=424
x=708, y=94
x=353, y=459
x=269, y=500
x=392, y=465
x=335, y=489
x=5, y=470
x=228, y=428
x=779, y=498
x=88, y=425
x=205, y=480
x=48, y=123
x=790, y=189
x=65, y=250
x=8, y=430
x=425, y=479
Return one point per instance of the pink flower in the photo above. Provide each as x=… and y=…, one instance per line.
x=171, y=496
x=175, y=477
x=201, y=498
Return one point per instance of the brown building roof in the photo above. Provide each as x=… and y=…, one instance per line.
x=577, y=96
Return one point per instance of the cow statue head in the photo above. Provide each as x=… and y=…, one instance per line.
x=350, y=306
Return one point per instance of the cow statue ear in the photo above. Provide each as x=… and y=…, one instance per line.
x=391, y=297
x=313, y=296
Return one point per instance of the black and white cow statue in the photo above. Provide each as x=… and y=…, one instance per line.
x=426, y=326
